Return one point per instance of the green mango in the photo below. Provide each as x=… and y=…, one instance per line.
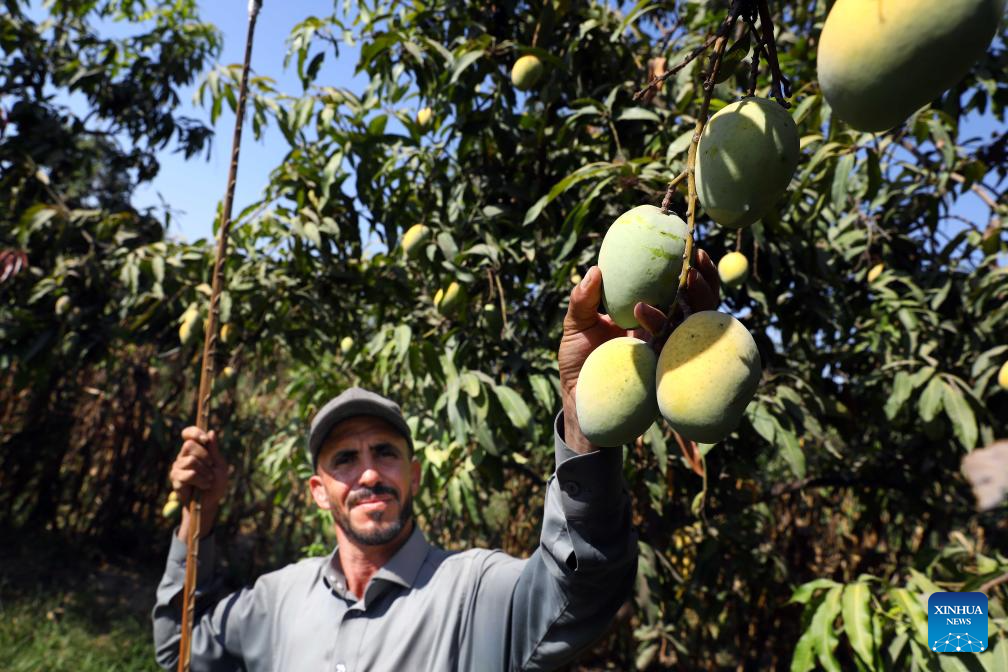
x=881, y=60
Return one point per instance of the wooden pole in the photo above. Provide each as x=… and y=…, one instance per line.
x=209, y=351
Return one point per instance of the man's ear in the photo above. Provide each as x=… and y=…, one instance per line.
x=415, y=481
x=319, y=493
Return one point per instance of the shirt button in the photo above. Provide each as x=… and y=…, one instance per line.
x=572, y=488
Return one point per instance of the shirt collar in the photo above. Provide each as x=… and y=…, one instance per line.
x=402, y=568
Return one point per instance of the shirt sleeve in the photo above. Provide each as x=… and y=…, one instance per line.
x=224, y=629
x=569, y=590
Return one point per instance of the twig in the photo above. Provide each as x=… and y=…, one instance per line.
x=667, y=201
x=984, y=196
x=738, y=241
x=766, y=23
x=722, y=31
x=500, y=292
x=997, y=581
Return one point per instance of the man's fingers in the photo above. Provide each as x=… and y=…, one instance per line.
x=197, y=450
x=582, y=313
x=699, y=295
x=649, y=317
x=708, y=269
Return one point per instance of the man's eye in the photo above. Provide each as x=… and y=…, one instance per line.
x=341, y=459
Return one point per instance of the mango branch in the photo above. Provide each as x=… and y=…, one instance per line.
x=210, y=350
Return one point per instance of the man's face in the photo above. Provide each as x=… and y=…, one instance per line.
x=367, y=479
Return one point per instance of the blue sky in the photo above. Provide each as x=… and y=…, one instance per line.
x=192, y=189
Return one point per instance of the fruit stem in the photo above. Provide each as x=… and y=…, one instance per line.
x=667, y=201
x=779, y=83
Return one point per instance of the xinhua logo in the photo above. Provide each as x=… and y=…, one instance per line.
x=957, y=622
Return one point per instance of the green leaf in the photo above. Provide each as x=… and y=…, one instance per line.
x=638, y=114
x=583, y=173
x=841, y=174
x=542, y=390
x=930, y=401
x=514, y=406
x=823, y=631
x=804, y=592
x=464, y=62
x=960, y=414
x=857, y=621
x=901, y=390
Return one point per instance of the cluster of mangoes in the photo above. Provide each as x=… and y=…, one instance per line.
x=709, y=368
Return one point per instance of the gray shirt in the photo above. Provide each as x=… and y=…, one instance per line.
x=427, y=609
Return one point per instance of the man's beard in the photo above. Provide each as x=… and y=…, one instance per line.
x=382, y=535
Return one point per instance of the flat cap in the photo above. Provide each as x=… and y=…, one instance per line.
x=353, y=402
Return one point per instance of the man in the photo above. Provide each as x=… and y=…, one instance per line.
x=385, y=600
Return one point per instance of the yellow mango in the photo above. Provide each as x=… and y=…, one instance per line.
x=1003, y=376
x=423, y=117
x=880, y=60
x=733, y=269
x=450, y=299
x=747, y=154
x=346, y=344
x=615, y=393
x=707, y=374
x=414, y=238
x=526, y=71
x=640, y=260
x=188, y=327
x=874, y=272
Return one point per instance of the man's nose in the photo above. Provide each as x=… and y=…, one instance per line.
x=369, y=477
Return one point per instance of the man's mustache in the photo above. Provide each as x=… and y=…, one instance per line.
x=367, y=493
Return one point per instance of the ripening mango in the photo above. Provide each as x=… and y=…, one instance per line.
x=172, y=506
x=640, y=259
x=733, y=269
x=526, y=71
x=874, y=272
x=747, y=154
x=880, y=60
x=707, y=374
x=615, y=393
x=225, y=333
x=346, y=344
x=1003, y=376
x=449, y=299
x=188, y=324
x=423, y=117
x=414, y=238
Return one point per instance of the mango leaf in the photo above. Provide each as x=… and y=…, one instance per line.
x=930, y=400
x=960, y=414
x=515, y=407
x=804, y=592
x=857, y=621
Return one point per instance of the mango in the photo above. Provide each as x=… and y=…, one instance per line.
x=880, y=60
x=172, y=506
x=423, y=117
x=228, y=373
x=874, y=272
x=346, y=344
x=413, y=240
x=62, y=305
x=733, y=269
x=1003, y=376
x=526, y=71
x=708, y=371
x=615, y=393
x=188, y=324
x=640, y=259
x=492, y=316
x=450, y=299
x=225, y=333
x=747, y=154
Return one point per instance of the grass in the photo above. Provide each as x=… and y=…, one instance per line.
x=64, y=606
x=63, y=632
